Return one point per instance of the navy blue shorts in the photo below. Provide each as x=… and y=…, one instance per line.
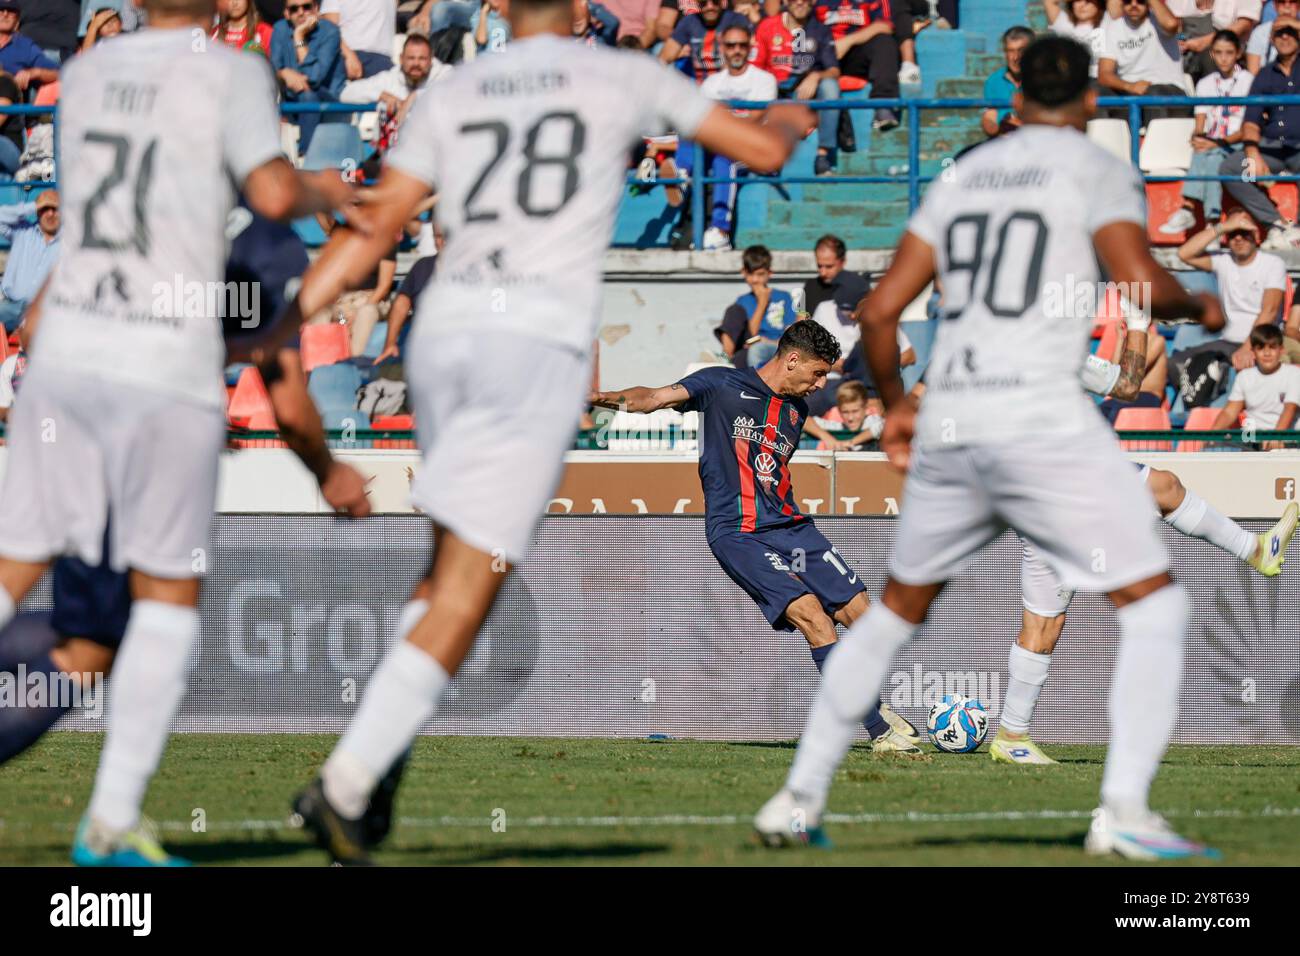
x=778, y=565
x=90, y=602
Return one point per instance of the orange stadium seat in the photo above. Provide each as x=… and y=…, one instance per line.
x=1144, y=419
x=851, y=84
x=1163, y=200
x=324, y=344
x=250, y=407
x=1110, y=334
x=395, y=422
x=1198, y=420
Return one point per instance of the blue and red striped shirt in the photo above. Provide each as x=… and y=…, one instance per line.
x=747, y=435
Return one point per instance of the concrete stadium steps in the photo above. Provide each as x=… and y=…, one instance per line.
x=954, y=64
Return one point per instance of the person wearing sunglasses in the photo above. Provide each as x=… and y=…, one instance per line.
x=798, y=49
x=1141, y=55
x=307, y=56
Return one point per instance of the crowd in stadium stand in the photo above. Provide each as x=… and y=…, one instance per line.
x=387, y=52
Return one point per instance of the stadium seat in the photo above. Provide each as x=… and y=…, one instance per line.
x=1113, y=136
x=1198, y=420
x=1144, y=419
x=250, y=404
x=396, y=423
x=289, y=134
x=852, y=84
x=1110, y=334
x=1163, y=200
x=1166, y=149
x=334, y=146
x=334, y=387
x=324, y=344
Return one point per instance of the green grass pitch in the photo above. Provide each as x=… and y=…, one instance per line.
x=519, y=801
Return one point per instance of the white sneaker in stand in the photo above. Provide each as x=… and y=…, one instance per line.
x=1180, y=221
x=715, y=240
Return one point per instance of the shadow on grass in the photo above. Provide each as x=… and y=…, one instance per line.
x=241, y=851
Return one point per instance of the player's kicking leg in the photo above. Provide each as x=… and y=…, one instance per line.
x=1191, y=514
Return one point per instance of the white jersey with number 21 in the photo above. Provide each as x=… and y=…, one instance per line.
x=528, y=150
x=1012, y=231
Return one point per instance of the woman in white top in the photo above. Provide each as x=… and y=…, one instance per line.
x=1082, y=20
x=1218, y=133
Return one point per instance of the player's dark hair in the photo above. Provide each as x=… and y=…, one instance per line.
x=1262, y=335
x=1054, y=71
x=755, y=258
x=810, y=338
x=1228, y=37
x=834, y=243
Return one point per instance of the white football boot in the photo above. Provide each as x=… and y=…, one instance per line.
x=1146, y=837
x=785, y=820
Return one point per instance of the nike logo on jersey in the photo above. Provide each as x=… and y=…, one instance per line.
x=757, y=398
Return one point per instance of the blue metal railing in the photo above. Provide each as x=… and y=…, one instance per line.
x=911, y=108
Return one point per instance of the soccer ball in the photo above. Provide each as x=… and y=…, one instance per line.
x=957, y=724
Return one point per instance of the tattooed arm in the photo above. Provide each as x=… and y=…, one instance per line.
x=1132, y=367
x=639, y=399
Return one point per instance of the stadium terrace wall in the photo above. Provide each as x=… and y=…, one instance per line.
x=624, y=625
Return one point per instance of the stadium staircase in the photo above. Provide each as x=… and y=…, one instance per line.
x=954, y=63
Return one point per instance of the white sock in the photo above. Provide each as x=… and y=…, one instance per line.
x=402, y=693
x=1195, y=517
x=1143, y=696
x=148, y=684
x=7, y=609
x=1028, y=672
x=851, y=682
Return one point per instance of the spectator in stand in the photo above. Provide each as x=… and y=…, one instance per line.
x=52, y=25
x=368, y=30
x=1142, y=56
x=593, y=25
x=1291, y=335
x=741, y=80
x=1083, y=20
x=104, y=25
x=771, y=311
x=239, y=26
x=1217, y=136
x=670, y=11
x=1260, y=50
x=833, y=280
x=799, y=51
x=395, y=89
x=699, y=37
x=491, y=30
x=434, y=16
x=1151, y=391
x=403, y=307
x=867, y=48
x=1252, y=286
x=733, y=334
x=857, y=412
x=910, y=18
x=20, y=57
x=11, y=373
x=1270, y=146
x=307, y=58
x=1268, y=392
x=1202, y=19
x=1005, y=83
x=11, y=129
x=33, y=249
x=636, y=19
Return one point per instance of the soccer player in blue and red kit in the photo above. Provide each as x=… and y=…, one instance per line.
x=752, y=420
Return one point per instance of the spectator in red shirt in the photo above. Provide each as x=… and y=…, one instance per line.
x=239, y=26
x=799, y=51
x=866, y=47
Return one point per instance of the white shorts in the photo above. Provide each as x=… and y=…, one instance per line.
x=1041, y=591
x=494, y=414
x=1075, y=498
x=82, y=450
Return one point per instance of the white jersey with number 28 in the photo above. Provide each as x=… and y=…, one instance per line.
x=157, y=129
x=1012, y=229
x=528, y=150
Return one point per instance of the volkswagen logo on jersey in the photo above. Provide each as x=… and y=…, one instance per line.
x=765, y=465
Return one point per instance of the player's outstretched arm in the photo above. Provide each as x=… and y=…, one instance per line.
x=641, y=399
x=300, y=426
x=278, y=191
x=763, y=146
x=1126, y=254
